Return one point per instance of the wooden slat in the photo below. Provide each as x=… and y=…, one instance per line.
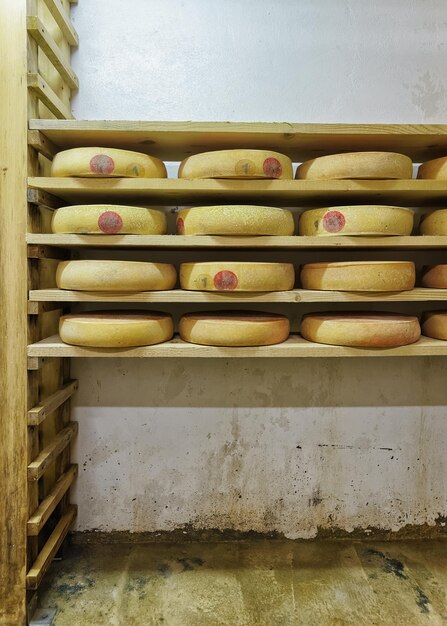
x=173, y=191
x=50, y=99
x=37, y=467
x=49, y=551
x=418, y=294
x=63, y=20
x=42, y=144
x=295, y=346
x=177, y=140
x=34, y=363
x=46, y=252
x=38, y=308
x=42, y=198
x=45, y=41
x=37, y=414
x=41, y=515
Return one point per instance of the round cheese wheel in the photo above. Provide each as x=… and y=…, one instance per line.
x=115, y=276
x=364, y=330
x=123, y=329
x=434, y=324
x=351, y=165
x=436, y=169
x=108, y=219
x=368, y=219
x=237, y=164
x=359, y=276
x=435, y=277
x=434, y=223
x=106, y=162
x=234, y=328
x=237, y=276
x=235, y=219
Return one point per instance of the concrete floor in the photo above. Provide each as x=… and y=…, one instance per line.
x=258, y=583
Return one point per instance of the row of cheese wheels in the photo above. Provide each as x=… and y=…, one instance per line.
x=246, y=220
x=131, y=329
x=243, y=163
x=224, y=276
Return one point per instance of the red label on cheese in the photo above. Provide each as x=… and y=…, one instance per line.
x=110, y=222
x=102, y=164
x=225, y=280
x=180, y=226
x=272, y=168
x=334, y=221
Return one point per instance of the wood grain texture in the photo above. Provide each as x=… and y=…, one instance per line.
x=62, y=19
x=48, y=96
x=41, y=515
x=37, y=414
x=57, y=444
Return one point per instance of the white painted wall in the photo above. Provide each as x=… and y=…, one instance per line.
x=284, y=445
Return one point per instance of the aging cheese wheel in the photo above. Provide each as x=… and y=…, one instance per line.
x=435, y=277
x=108, y=219
x=434, y=223
x=365, y=330
x=237, y=164
x=434, y=324
x=368, y=219
x=363, y=165
x=359, y=276
x=115, y=276
x=435, y=169
x=235, y=219
x=121, y=329
x=237, y=276
x=234, y=328
x=106, y=162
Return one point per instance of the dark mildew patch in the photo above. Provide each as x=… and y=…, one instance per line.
x=422, y=600
x=165, y=570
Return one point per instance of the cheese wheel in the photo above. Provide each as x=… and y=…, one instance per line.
x=115, y=276
x=434, y=324
x=237, y=164
x=434, y=223
x=436, y=169
x=235, y=219
x=435, y=277
x=123, y=329
x=234, y=328
x=368, y=219
x=237, y=276
x=359, y=276
x=351, y=165
x=106, y=162
x=108, y=219
x=363, y=330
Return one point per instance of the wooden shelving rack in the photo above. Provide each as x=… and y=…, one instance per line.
x=35, y=429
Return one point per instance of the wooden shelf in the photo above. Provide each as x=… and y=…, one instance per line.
x=178, y=191
x=293, y=296
x=207, y=241
x=176, y=140
x=295, y=346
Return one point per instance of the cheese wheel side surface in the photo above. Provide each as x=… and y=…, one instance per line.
x=359, y=276
x=237, y=163
x=434, y=223
x=106, y=163
x=108, y=219
x=436, y=169
x=237, y=276
x=435, y=277
x=434, y=324
x=357, y=165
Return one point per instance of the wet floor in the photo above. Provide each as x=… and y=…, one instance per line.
x=257, y=583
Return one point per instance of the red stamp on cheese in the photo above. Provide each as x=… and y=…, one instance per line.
x=334, y=221
x=225, y=280
x=272, y=167
x=110, y=222
x=180, y=226
x=102, y=164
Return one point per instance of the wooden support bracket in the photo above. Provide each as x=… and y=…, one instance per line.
x=44, y=92
x=42, y=198
x=46, y=252
x=37, y=414
x=42, y=144
x=41, y=515
x=37, y=308
x=37, y=467
x=63, y=20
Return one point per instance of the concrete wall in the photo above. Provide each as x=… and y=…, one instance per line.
x=285, y=445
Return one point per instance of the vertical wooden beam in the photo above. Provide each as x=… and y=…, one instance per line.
x=13, y=329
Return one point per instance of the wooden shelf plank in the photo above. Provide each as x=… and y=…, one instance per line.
x=175, y=191
x=37, y=467
x=41, y=515
x=49, y=551
x=295, y=346
x=176, y=140
x=37, y=414
x=294, y=296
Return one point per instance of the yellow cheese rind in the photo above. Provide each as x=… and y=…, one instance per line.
x=234, y=329
x=363, y=330
x=436, y=169
x=235, y=219
x=434, y=324
x=116, y=330
x=357, y=165
x=359, y=220
x=106, y=163
x=435, y=277
x=237, y=164
x=108, y=219
x=237, y=276
x=359, y=276
x=434, y=223
x=112, y=276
